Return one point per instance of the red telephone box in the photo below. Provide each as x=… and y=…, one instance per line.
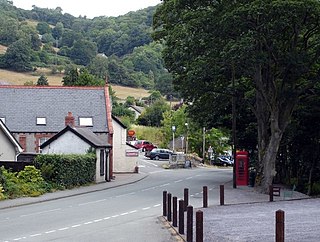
x=242, y=168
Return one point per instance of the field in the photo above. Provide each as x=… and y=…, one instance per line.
x=17, y=78
x=3, y=49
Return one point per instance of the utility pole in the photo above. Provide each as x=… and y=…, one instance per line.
x=234, y=125
x=204, y=144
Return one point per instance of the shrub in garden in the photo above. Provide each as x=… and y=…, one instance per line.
x=27, y=182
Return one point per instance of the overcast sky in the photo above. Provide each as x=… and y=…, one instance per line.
x=91, y=8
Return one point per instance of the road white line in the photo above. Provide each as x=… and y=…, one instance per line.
x=18, y=239
x=114, y=216
x=51, y=231
x=188, y=178
x=34, y=235
x=97, y=201
x=178, y=181
x=131, y=193
x=65, y=228
x=90, y=222
x=150, y=163
x=154, y=172
x=147, y=189
x=191, y=195
x=47, y=211
x=133, y=211
x=157, y=205
x=167, y=184
x=106, y=218
x=97, y=220
x=124, y=214
x=146, y=208
x=76, y=225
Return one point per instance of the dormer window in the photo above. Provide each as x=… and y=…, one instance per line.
x=86, y=121
x=41, y=121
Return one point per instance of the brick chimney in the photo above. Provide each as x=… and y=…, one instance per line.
x=69, y=120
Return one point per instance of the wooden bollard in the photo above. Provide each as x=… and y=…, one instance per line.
x=270, y=193
x=169, y=207
x=189, y=223
x=164, y=203
x=181, y=217
x=205, y=196
x=221, y=194
x=174, y=212
x=279, y=226
x=199, y=226
x=186, y=198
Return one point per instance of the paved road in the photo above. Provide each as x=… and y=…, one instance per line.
x=125, y=213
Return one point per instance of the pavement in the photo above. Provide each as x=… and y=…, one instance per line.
x=249, y=216
x=245, y=216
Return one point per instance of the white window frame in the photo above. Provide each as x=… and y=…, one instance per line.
x=41, y=121
x=86, y=121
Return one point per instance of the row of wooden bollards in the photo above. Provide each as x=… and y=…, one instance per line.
x=175, y=215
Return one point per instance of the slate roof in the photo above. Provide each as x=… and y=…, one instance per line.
x=21, y=105
x=83, y=133
x=118, y=121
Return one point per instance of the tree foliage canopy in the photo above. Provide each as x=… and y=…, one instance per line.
x=270, y=49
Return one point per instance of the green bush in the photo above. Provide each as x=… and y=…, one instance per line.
x=315, y=188
x=1, y=192
x=27, y=182
x=67, y=170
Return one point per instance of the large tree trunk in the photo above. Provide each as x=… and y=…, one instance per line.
x=272, y=119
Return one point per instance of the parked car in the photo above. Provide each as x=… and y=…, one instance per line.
x=144, y=145
x=222, y=160
x=157, y=154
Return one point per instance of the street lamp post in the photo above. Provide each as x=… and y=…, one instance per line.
x=204, y=144
x=187, y=125
x=173, y=130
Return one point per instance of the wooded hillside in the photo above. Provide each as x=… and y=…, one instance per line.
x=118, y=47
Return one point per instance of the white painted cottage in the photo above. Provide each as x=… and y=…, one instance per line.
x=125, y=156
x=79, y=140
x=9, y=146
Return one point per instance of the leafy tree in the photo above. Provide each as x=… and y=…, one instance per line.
x=47, y=38
x=99, y=66
x=57, y=31
x=8, y=30
x=153, y=115
x=81, y=78
x=18, y=56
x=83, y=51
x=71, y=77
x=43, y=28
x=130, y=101
x=42, y=81
x=270, y=46
x=69, y=37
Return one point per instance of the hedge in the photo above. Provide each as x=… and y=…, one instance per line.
x=67, y=170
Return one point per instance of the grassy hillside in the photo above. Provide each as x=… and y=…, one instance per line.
x=17, y=78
